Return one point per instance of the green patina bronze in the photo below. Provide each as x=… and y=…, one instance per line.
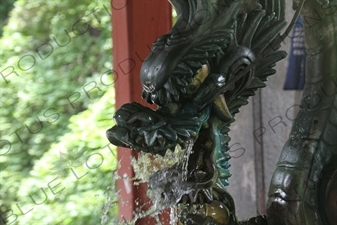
x=303, y=189
x=200, y=73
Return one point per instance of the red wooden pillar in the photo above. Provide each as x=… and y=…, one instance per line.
x=136, y=25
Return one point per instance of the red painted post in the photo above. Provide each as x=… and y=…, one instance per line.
x=136, y=24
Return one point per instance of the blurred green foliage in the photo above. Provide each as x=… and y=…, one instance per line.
x=5, y=7
x=57, y=100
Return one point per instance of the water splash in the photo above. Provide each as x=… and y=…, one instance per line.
x=146, y=166
x=186, y=158
x=111, y=203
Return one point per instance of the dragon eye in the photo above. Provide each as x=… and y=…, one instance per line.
x=157, y=68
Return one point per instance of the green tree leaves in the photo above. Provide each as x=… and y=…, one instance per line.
x=55, y=108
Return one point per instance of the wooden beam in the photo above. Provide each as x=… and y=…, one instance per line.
x=136, y=24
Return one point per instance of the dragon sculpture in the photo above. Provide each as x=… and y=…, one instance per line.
x=218, y=53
